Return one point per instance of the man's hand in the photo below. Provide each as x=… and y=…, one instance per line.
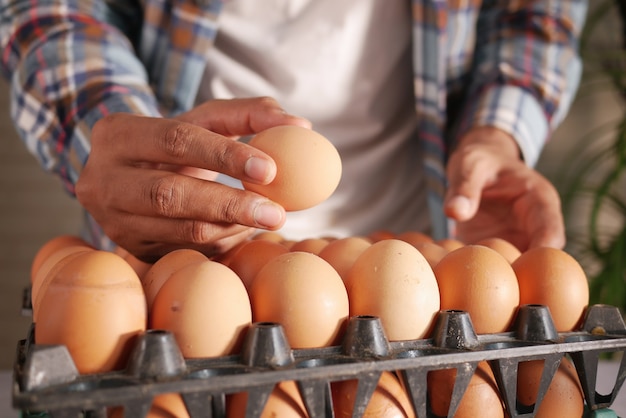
x=492, y=192
x=148, y=181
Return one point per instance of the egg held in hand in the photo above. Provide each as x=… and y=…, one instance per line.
x=95, y=306
x=308, y=166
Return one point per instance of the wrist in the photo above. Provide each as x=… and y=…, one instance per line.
x=491, y=137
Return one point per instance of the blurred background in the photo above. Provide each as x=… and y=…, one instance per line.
x=586, y=159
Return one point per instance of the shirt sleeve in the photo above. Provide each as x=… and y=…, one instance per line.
x=526, y=69
x=68, y=67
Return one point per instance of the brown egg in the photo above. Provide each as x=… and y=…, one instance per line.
x=310, y=245
x=167, y=405
x=48, y=268
x=552, y=277
x=414, y=237
x=505, y=248
x=252, y=256
x=285, y=401
x=432, y=252
x=342, y=253
x=380, y=235
x=479, y=280
x=450, y=243
x=50, y=247
x=140, y=267
x=304, y=294
x=95, y=306
x=206, y=306
x=269, y=236
x=393, y=281
x=564, y=397
x=164, y=267
x=389, y=399
x=481, y=398
x=308, y=166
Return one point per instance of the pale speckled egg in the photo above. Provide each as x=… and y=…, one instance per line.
x=392, y=280
x=206, y=307
x=95, y=306
x=304, y=294
x=308, y=166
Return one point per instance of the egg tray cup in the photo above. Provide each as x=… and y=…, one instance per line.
x=45, y=378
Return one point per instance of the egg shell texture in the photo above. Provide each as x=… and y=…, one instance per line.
x=206, y=306
x=392, y=280
x=95, y=306
x=308, y=166
x=304, y=294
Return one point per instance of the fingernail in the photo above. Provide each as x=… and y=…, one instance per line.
x=461, y=205
x=268, y=214
x=260, y=170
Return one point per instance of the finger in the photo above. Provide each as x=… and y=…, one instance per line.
x=160, y=236
x=468, y=175
x=545, y=221
x=236, y=117
x=170, y=195
x=172, y=142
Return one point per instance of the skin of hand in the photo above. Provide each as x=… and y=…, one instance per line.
x=148, y=181
x=493, y=193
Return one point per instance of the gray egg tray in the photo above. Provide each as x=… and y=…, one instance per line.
x=46, y=379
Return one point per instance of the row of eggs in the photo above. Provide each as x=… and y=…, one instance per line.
x=95, y=302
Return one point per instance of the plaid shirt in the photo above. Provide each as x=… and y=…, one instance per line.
x=511, y=64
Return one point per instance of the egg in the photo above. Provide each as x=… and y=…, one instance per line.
x=432, y=252
x=380, y=235
x=48, y=268
x=342, y=253
x=392, y=280
x=166, y=405
x=95, y=306
x=504, y=247
x=252, y=256
x=51, y=246
x=414, y=237
x=308, y=166
x=480, y=281
x=552, y=277
x=481, y=398
x=206, y=307
x=389, y=399
x=284, y=401
x=140, y=267
x=269, y=236
x=450, y=243
x=310, y=245
x=304, y=294
x=564, y=397
x=164, y=267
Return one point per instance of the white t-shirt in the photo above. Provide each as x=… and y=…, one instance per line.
x=346, y=66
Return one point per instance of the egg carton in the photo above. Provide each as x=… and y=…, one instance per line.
x=46, y=379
